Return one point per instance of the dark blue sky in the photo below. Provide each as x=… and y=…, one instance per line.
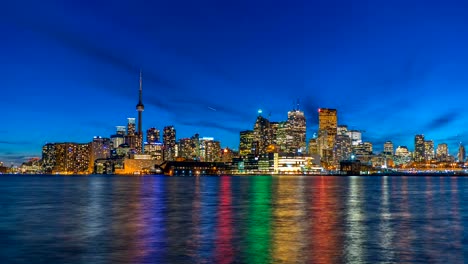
x=69, y=69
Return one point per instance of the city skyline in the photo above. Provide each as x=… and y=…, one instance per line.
x=70, y=74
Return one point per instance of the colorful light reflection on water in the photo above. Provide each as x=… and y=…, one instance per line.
x=262, y=219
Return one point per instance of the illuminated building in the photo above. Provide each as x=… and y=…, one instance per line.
x=130, y=138
x=226, y=155
x=313, y=146
x=185, y=148
x=364, y=148
x=210, y=150
x=442, y=152
x=296, y=132
x=342, y=130
x=169, y=141
x=121, y=130
x=281, y=138
x=419, y=148
x=429, y=150
x=245, y=142
x=461, y=153
x=117, y=140
x=402, y=155
x=155, y=150
x=327, y=132
x=342, y=150
x=48, y=157
x=356, y=137
x=152, y=135
x=140, y=108
x=131, y=126
x=100, y=149
x=71, y=158
x=388, y=148
x=262, y=134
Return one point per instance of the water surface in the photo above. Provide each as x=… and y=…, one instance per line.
x=261, y=219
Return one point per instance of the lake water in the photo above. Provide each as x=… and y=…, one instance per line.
x=260, y=219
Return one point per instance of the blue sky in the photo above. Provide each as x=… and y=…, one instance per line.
x=69, y=69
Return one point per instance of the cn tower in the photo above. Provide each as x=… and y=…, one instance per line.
x=140, y=108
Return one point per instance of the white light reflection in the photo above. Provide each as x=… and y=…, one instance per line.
x=386, y=233
x=355, y=232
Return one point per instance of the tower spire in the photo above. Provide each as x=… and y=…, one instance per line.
x=140, y=108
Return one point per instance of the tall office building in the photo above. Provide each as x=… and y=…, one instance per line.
x=461, y=153
x=282, y=136
x=120, y=130
x=140, y=108
x=100, y=149
x=342, y=150
x=185, y=148
x=296, y=136
x=169, y=141
x=48, y=157
x=442, y=152
x=152, y=135
x=419, y=148
x=356, y=137
x=245, y=142
x=131, y=127
x=155, y=150
x=327, y=132
x=388, y=148
x=262, y=134
x=313, y=147
x=429, y=150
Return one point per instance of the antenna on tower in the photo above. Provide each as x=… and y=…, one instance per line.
x=297, y=104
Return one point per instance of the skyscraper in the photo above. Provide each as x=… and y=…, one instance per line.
x=296, y=132
x=262, y=134
x=48, y=157
x=100, y=149
x=461, y=153
x=140, y=108
x=429, y=150
x=442, y=152
x=356, y=137
x=388, y=148
x=245, y=142
x=152, y=135
x=327, y=132
x=342, y=150
x=169, y=141
x=419, y=148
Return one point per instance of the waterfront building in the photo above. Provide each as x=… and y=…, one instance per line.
x=71, y=158
x=169, y=141
x=227, y=155
x=328, y=123
x=185, y=148
x=262, y=134
x=245, y=142
x=419, y=147
x=342, y=150
x=100, y=149
x=388, y=148
x=210, y=150
x=296, y=132
x=152, y=135
x=155, y=150
x=429, y=150
x=461, y=153
x=442, y=152
x=282, y=136
x=402, y=155
x=48, y=157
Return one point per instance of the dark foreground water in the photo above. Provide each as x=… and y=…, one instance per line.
x=262, y=219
